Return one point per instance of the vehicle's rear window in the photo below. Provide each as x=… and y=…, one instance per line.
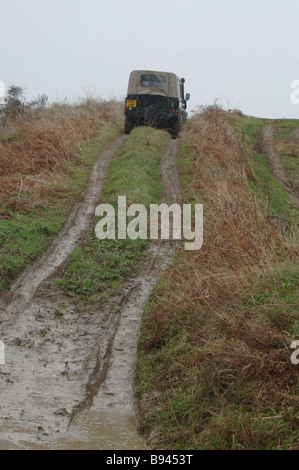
x=153, y=81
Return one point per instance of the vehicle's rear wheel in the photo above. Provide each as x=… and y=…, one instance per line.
x=128, y=126
x=175, y=129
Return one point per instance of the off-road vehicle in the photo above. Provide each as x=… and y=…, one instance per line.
x=156, y=99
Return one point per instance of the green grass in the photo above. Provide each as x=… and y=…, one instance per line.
x=27, y=232
x=22, y=237
x=96, y=269
x=262, y=182
x=289, y=156
x=290, y=162
x=9, y=136
x=285, y=128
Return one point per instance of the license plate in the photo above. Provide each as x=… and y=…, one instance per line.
x=131, y=103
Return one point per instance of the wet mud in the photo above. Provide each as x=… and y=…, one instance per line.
x=69, y=373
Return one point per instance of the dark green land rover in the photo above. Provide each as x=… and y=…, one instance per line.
x=156, y=99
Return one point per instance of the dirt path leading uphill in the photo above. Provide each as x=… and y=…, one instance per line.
x=68, y=378
x=275, y=165
x=82, y=213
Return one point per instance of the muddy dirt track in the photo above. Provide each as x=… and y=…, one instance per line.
x=68, y=379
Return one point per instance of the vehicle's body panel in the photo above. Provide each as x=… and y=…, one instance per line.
x=169, y=85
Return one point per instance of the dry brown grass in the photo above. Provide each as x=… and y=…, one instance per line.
x=221, y=330
x=45, y=143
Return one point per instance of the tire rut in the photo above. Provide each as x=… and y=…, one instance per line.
x=117, y=371
x=64, y=360
x=81, y=215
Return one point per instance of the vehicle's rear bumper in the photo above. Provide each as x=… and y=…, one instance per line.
x=143, y=118
x=153, y=110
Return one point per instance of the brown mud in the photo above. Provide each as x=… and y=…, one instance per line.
x=69, y=373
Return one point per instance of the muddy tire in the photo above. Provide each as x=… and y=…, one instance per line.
x=175, y=129
x=128, y=126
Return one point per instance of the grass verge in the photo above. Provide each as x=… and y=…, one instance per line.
x=32, y=217
x=287, y=145
x=261, y=180
x=214, y=366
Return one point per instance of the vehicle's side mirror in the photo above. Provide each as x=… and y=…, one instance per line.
x=187, y=96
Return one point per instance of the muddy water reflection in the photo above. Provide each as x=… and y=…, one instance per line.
x=102, y=431
x=89, y=431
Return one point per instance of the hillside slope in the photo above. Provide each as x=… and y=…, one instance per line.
x=46, y=158
x=214, y=368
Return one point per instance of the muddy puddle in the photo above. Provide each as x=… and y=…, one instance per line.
x=103, y=431
x=89, y=431
x=68, y=378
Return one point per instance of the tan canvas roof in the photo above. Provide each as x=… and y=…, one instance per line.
x=171, y=88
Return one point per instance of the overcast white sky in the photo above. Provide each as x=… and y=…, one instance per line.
x=244, y=53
